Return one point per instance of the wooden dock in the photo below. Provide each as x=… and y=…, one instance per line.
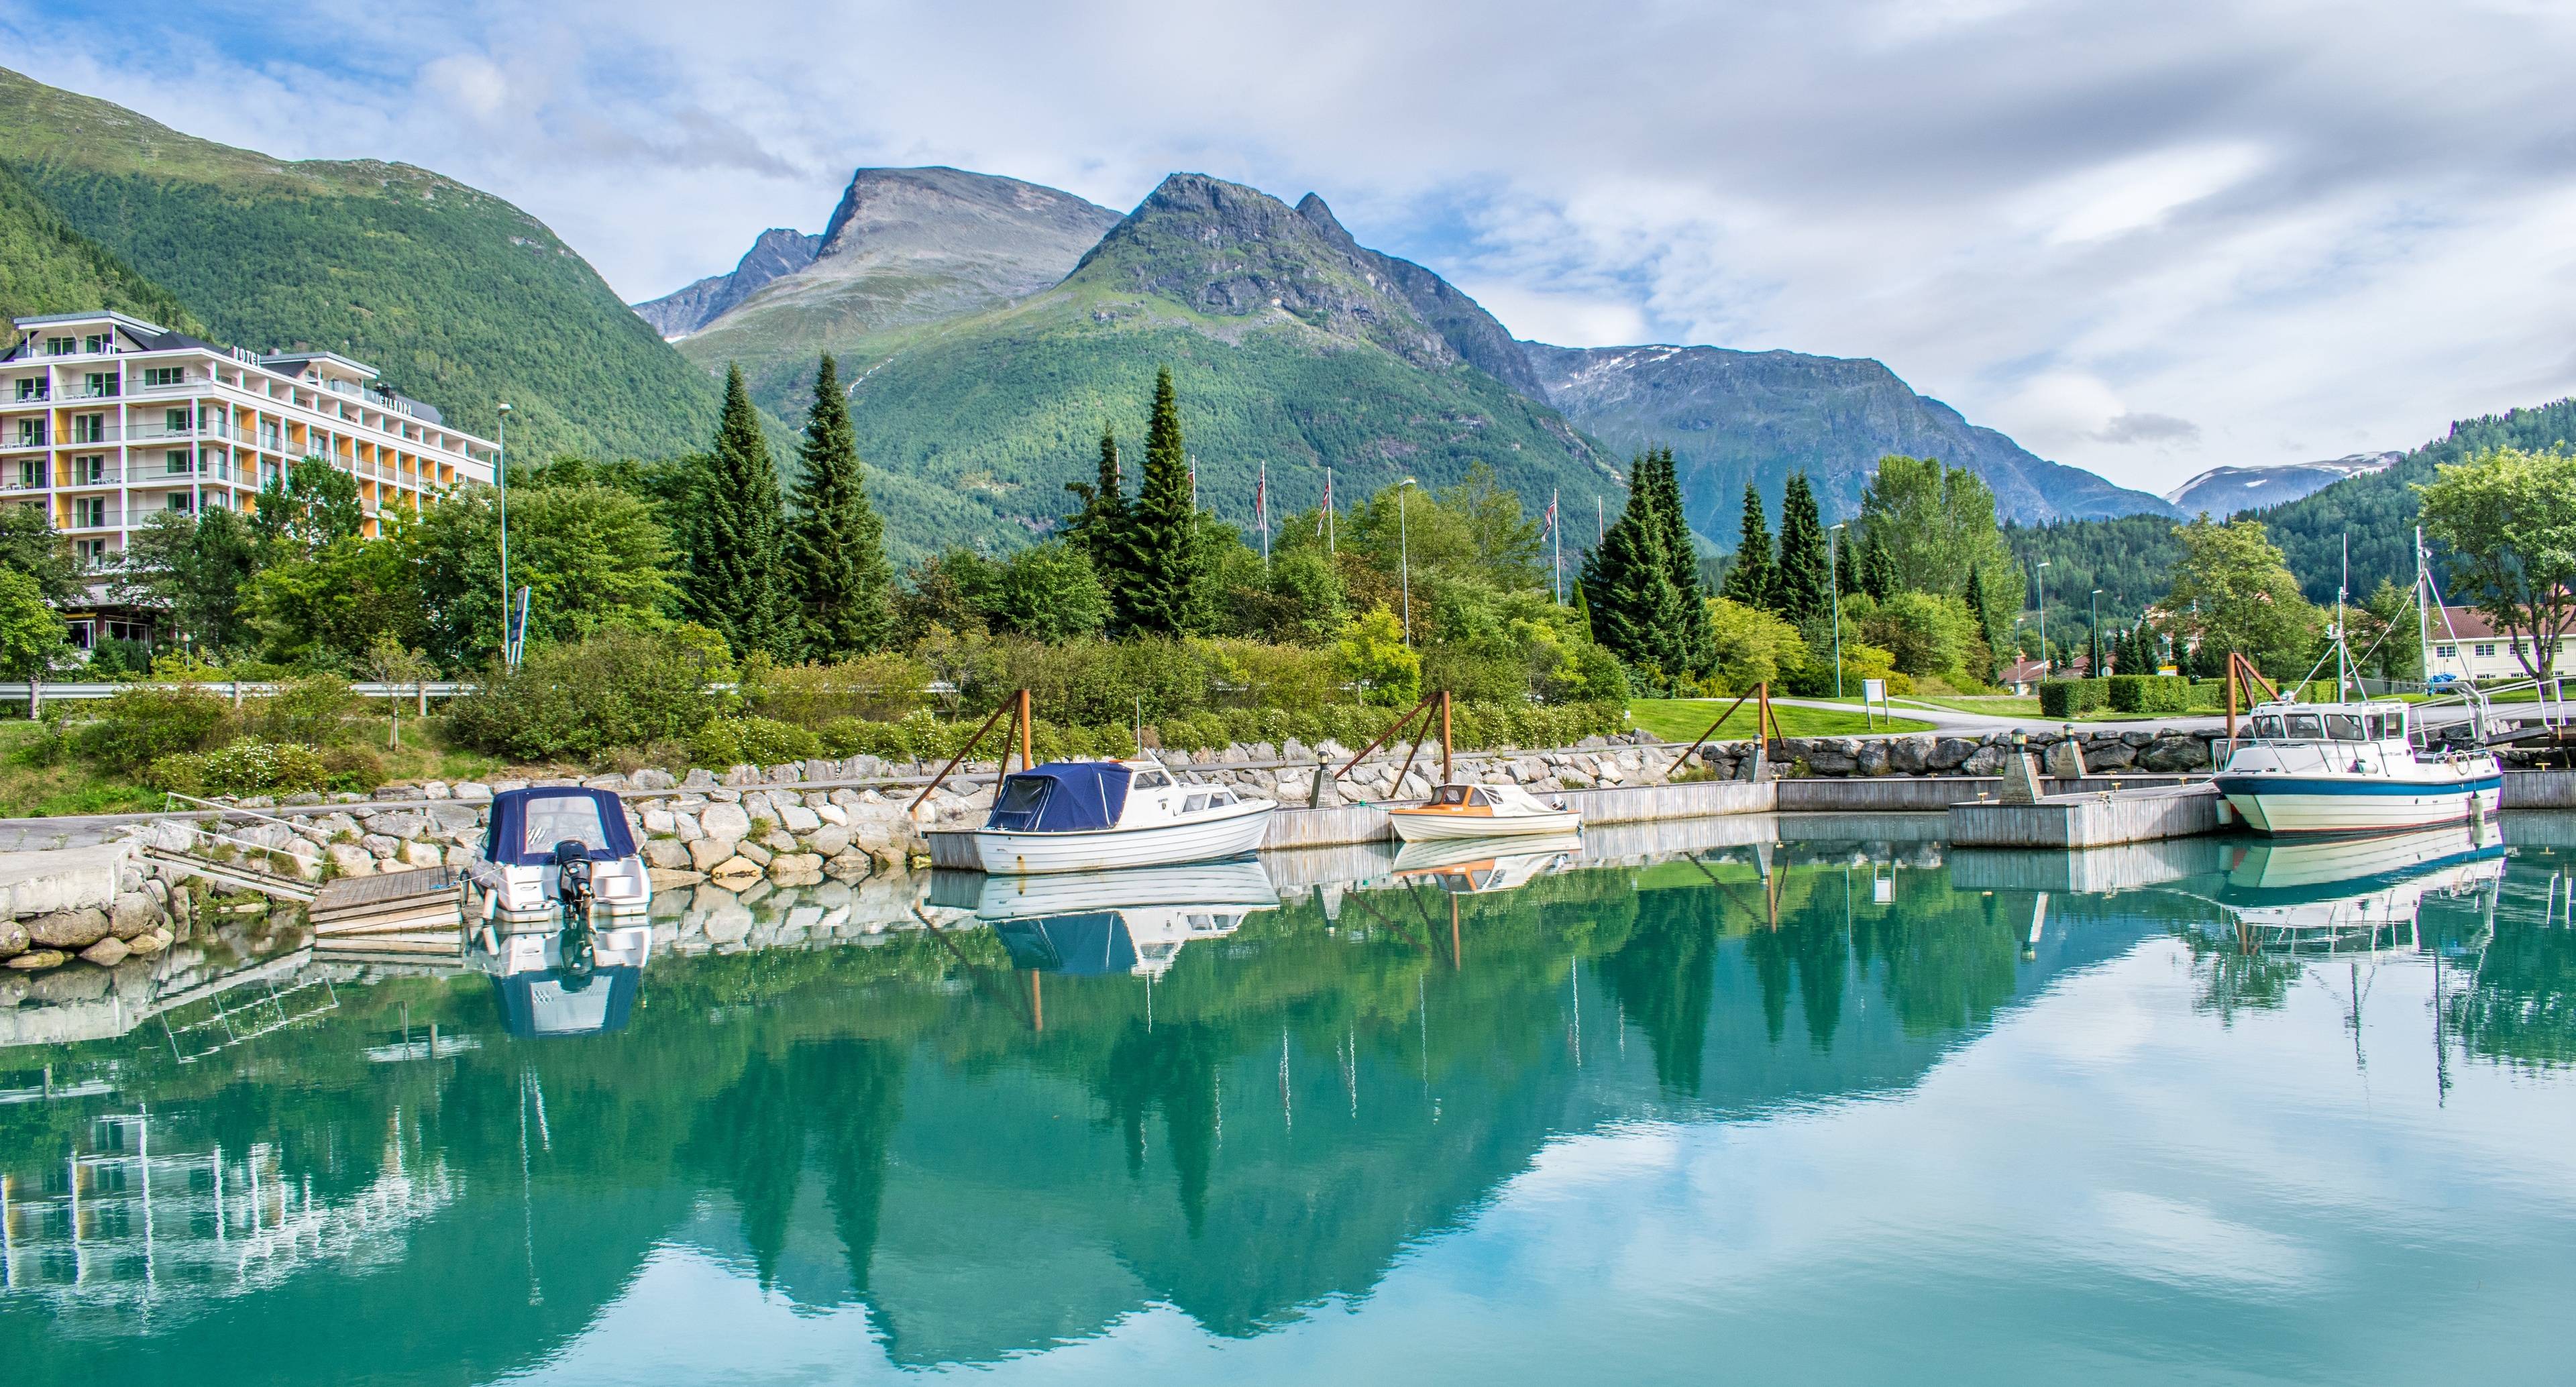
x=414, y=916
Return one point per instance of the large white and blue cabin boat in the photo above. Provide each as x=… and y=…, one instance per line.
x=519, y=873
x=1082, y=816
x=2362, y=767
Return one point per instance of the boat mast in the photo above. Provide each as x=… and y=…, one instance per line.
x=2343, y=652
x=2423, y=621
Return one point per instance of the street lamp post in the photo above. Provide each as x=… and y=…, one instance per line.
x=501, y=475
x=1834, y=581
x=2041, y=574
x=2093, y=633
x=1404, y=558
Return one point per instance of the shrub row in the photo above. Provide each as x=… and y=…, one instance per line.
x=2149, y=693
x=2066, y=698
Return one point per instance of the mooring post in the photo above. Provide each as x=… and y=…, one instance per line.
x=1026, y=761
x=1445, y=776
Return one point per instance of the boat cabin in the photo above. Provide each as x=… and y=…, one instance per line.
x=1090, y=796
x=519, y=870
x=2327, y=722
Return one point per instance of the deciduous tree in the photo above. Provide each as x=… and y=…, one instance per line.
x=2508, y=517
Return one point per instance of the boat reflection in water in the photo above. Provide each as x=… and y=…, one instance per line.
x=1132, y=921
x=2339, y=895
x=1467, y=866
x=575, y=981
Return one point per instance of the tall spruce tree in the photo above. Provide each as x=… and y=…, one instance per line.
x=1694, y=641
x=1846, y=563
x=1801, y=591
x=1750, y=580
x=1095, y=528
x=736, y=535
x=1159, y=554
x=1981, y=607
x=836, y=561
x=1628, y=589
x=1878, y=569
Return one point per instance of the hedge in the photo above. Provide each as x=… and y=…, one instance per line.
x=2149, y=693
x=2066, y=698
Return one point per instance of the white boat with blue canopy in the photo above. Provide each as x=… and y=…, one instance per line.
x=1081, y=816
x=537, y=834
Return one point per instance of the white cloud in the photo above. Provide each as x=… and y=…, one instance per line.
x=2304, y=234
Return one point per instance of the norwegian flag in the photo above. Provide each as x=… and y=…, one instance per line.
x=1328, y=501
x=1548, y=527
x=1261, y=496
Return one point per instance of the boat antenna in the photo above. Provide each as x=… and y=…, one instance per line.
x=2342, y=652
x=2423, y=623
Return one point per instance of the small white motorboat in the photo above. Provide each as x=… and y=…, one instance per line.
x=1482, y=811
x=2353, y=768
x=537, y=835
x=1082, y=816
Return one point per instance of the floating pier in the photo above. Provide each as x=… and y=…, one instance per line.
x=2090, y=820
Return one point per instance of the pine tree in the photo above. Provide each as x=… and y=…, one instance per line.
x=1160, y=554
x=1628, y=588
x=1801, y=592
x=836, y=562
x=1749, y=581
x=1095, y=529
x=1846, y=563
x=736, y=536
x=1878, y=569
x=1694, y=640
x=1981, y=607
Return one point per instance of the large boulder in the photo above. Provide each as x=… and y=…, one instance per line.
x=1874, y=757
x=1909, y=755
x=2174, y=753
x=2109, y=755
x=729, y=821
x=136, y=913
x=667, y=853
x=705, y=853
x=1983, y=760
x=73, y=930
x=1952, y=753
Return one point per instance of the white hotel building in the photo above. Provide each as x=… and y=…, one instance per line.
x=107, y=420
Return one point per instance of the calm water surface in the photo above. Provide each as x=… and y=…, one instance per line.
x=1836, y=1109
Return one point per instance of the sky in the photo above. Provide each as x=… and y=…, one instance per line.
x=2143, y=239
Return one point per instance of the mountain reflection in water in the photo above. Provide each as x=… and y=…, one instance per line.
x=1022, y=1120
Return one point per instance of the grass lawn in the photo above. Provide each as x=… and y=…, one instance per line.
x=1991, y=705
x=74, y=786
x=1682, y=719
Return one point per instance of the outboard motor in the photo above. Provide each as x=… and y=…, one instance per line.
x=573, y=891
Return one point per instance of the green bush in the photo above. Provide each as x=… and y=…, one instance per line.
x=2149, y=693
x=2066, y=698
x=873, y=687
x=247, y=767
x=618, y=688
x=312, y=711
x=752, y=740
x=354, y=769
x=2209, y=695
x=140, y=725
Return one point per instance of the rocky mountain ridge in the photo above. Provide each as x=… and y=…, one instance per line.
x=779, y=251
x=2223, y=491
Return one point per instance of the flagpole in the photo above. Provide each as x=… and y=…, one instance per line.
x=1329, y=550
x=1556, y=528
x=1261, y=503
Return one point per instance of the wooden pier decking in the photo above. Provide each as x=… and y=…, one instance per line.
x=416, y=916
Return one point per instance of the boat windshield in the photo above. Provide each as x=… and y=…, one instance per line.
x=2305, y=727
x=1151, y=780
x=1450, y=795
x=2344, y=727
x=2268, y=728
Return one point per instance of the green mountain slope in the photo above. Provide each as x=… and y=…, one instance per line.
x=905, y=247
x=1285, y=347
x=458, y=297
x=1734, y=417
x=47, y=267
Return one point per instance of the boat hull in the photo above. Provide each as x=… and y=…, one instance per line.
x=2286, y=805
x=1416, y=827
x=1005, y=853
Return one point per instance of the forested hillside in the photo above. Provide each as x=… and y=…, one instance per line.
x=47, y=267
x=2129, y=558
x=458, y=297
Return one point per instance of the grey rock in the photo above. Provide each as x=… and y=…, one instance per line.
x=728, y=821
x=668, y=853
x=2174, y=753
x=69, y=929
x=758, y=855
x=136, y=913
x=829, y=841
x=107, y=953
x=699, y=779
x=705, y=853
x=2110, y=756
x=1909, y=755
x=1985, y=760
x=1951, y=753
x=1873, y=758
x=1824, y=762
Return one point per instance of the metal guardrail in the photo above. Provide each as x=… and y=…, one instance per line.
x=235, y=689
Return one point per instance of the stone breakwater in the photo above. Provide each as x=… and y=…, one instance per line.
x=101, y=905
x=844, y=819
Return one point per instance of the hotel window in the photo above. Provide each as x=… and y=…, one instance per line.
x=165, y=375
x=92, y=551
x=99, y=342
x=30, y=431
x=177, y=461
x=89, y=512
x=2486, y=651
x=101, y=382
x=61, y=346
x=179, y=502
x=89, y=428
x=89, y=469
x=31, y=473
x=175, y=420
x=33, y=388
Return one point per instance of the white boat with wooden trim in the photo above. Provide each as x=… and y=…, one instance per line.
x=1082, y=816
x=1482, y=811
x=1467, y=866
x=2364, y=767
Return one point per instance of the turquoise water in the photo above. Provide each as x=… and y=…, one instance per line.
x=1832, y=1109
